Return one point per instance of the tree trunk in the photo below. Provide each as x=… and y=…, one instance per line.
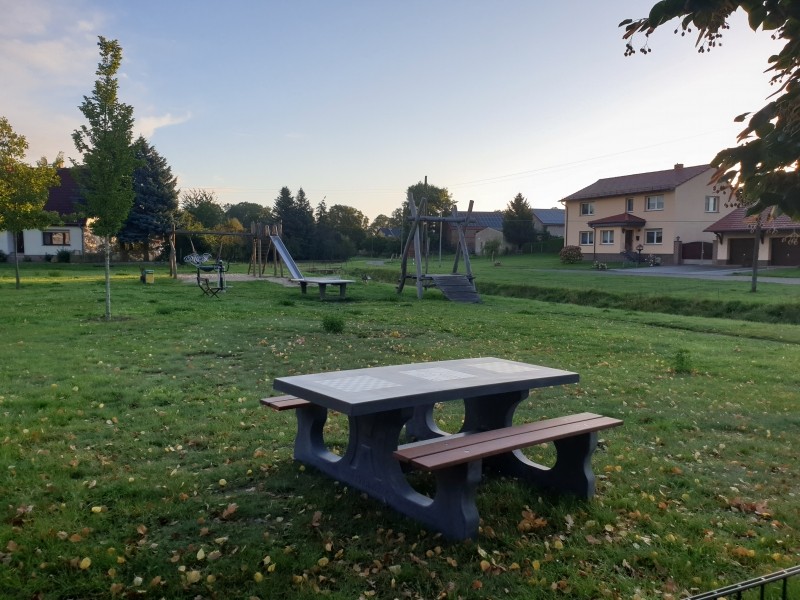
x=756, y=243
x=107, y=241
x=16, y=257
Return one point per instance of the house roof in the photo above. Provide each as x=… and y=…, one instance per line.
x=623, y=220
x=655, y=181
x=484, y=219
x=738, y=221
x=389, y=232
x=64, y=199
x=549, y=216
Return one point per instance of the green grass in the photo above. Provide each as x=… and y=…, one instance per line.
x=136, y=458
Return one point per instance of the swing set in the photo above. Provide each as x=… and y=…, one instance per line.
x=455, y=286
x=259, y=232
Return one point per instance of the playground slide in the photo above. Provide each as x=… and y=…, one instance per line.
x=286, y=257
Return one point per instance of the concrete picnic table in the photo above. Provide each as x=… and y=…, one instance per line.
x=379, y=402
x=323, y=283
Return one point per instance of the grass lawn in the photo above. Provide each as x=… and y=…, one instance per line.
x=136, y=460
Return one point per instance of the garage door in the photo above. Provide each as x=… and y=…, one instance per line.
x=784, y=252
x=741, y=252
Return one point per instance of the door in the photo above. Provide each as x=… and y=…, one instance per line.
x=784, y=252
x=741, y=252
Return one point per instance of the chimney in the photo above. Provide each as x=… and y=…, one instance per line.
x=678, y=166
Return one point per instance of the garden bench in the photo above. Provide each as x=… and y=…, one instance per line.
x=574, y=438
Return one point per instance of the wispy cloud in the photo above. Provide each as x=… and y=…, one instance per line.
x=147, y=126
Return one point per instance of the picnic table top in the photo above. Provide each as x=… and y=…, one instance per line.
x=370, y=390
x=324, y=280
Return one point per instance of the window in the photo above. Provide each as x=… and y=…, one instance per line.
x=652, y=236
x=654, y=203
x=607, y=236
x=712, y=204
x=587, y=209
x=629, y=205
x=587, y=238
x=55, y=238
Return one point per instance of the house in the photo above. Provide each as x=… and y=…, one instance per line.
x=35, y=244
x=389, y=232
x=490, y=234
x=478, y=221
x=661, y=213
x=778, y=239
x=550, y=220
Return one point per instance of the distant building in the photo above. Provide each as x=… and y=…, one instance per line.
x=37, y=244
x=550, y=220
x=389, y=232
x=660, y=213
x=478, y=221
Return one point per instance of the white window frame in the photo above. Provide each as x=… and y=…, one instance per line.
x=606, y=236
x=653, y=236
x=712, y=204
x=652, y=203
x=629, y=205
x=586, y=238
x=587, y=209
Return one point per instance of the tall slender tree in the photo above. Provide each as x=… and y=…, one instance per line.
x=155, y=202
x=106, y=143
x=24, y=188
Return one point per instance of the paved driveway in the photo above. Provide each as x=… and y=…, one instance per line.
x=705, y=272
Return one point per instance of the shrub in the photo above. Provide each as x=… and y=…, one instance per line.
x=570, y=255
x=682, y=362
x=63, y=256
x=333, y=324
x=3, y=256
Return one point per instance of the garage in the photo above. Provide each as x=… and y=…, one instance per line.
x=785, y=251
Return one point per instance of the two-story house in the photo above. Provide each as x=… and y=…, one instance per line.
x=660, y=213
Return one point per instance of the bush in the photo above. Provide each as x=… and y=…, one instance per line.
x=333, y=324
x=63, y=256
x=570, y=255
x=3, y=256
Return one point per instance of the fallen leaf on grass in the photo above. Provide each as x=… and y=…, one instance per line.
x=230, y=510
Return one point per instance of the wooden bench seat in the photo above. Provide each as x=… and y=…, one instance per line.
x=457, y=461
x=466, y=447
x=284, y=402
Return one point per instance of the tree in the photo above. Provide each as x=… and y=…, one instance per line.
x=762, y=171
x=24, y=189
x=106, y=177
x=297, y=220
x=155, y=201
x=348, y=222
x=518, y=222
x=204, y=207
x=248, y=212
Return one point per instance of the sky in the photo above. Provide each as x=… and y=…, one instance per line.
x=356, y=100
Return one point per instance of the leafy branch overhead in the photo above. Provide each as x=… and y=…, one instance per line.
x=761, y=171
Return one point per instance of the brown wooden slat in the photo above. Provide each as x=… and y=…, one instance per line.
x=446, y=452
x=417, y=449
x=284, y=402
